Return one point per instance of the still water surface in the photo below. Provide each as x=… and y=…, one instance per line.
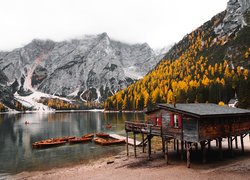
x=17, y=155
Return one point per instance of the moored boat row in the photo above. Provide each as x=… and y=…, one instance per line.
x=72, y=140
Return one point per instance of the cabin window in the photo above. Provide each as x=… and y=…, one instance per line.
x=176, y=124
x=165, y=120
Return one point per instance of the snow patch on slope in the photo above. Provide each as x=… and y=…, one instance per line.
x=74, y=94
x=132, y=72
x=32, y=101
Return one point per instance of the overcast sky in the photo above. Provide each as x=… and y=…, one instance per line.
x=157, y=22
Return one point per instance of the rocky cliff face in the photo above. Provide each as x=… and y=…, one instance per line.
x=90, y=69
x=235, y=18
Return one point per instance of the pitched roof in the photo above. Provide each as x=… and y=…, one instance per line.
x=205, y=110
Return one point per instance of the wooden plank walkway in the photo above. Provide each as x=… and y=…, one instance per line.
x=130, y=140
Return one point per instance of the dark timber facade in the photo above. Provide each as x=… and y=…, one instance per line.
x=191, y=124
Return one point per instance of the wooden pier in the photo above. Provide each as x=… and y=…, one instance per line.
x=129, y=141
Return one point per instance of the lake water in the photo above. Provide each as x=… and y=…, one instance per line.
x=17, y=154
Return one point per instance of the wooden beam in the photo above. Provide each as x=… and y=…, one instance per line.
x=228, y=141
x=143, y=145
x=127, y=143
x=166, y=150
x=231, y=145
x=203, y=148
x=163, y=144
x=242, y=143
x=209, y=144
x=220, y=148
x=188, y=155
x=182, y=149
x=196, y=147
x=149, y=146
x=177, y=146
x=135, y=144
x=236, y=142
x=174, y=145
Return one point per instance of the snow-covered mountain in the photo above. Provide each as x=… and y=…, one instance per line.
x=89, y=69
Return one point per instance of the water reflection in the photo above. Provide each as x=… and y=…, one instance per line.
x=16, y=153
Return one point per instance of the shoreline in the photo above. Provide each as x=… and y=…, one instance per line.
x=68, y=111
x=121, y=166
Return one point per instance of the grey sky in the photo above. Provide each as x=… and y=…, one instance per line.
x=157, y=22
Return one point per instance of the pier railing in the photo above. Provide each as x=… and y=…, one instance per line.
x=136, y=127
x=144, y=128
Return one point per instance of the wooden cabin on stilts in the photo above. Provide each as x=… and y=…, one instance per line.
x=190, y=126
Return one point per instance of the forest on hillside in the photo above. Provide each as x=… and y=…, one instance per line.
x=200, y=73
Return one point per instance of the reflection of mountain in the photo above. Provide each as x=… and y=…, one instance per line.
x=16, y=138
x=6, y=130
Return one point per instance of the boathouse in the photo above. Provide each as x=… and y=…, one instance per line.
x=190, y=125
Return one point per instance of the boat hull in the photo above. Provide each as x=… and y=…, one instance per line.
x=108, y=142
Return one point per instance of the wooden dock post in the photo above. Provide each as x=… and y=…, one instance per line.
x=127, y=143
x=177, y=146
x=231, y=146
x=220, y=148
x=163, y=144
x=209, y=144
x=188, y=155
x=182, y=149
x=149, y=146
x=236, y=142
x=228, y=141
x=166, y=150
x=134, y=143
x=143, y=145
x=203, y=148
x=196, y=147
x=242, y=143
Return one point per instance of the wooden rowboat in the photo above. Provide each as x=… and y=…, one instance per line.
x=47, y=143
x=79, y=140
x=108, y=142
x=66, y=138
x=102, y=135
x=88, y=135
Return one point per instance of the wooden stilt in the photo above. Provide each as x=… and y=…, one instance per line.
x=196, y=147
x=182, y=151
x=203, y=148
x=228, y=141
x=135, y=144
x=166, y=151
x=127, y=143
x=242, y=143
x=188, y=155
x=177, y=146
x=236, y=142
x=163, y=144
x=231, y=146
x=209, y=144
x=217, y=142
x=174, y=144
x=143, y=145
x=220, y=148
x=149, y=146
